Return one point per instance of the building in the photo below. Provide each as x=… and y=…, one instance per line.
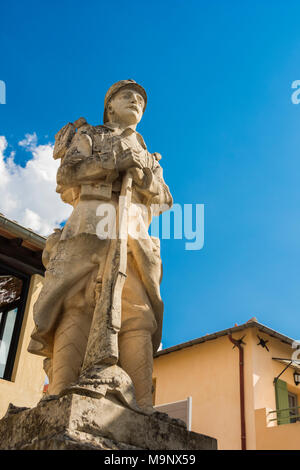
x=21, y=373
x=239, y=385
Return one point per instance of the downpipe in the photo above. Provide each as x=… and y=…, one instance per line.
x=237, y=343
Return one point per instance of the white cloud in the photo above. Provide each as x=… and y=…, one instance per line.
x=27, y=194
x=30, y=141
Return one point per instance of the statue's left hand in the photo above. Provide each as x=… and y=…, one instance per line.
x=137, y=175
x=129, y=159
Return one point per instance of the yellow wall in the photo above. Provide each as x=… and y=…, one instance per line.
x=266, y=369
x=28, y=376
x=283, y=437
x=209, y=372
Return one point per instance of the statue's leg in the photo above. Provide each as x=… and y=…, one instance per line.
x=136, y=358
x=71, y=337
x=135, y=337
x=69, y=347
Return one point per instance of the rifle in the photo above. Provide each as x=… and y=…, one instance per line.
x=102, y=347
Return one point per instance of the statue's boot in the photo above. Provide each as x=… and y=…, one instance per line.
x=136, y=358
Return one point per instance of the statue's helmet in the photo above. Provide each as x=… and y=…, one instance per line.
x=118, y=86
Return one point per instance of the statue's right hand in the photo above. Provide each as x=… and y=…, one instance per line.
x=128, y=159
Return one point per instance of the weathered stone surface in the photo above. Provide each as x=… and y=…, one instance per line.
x=100, y=304
x=80, y=422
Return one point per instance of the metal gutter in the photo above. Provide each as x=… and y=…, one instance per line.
x=21, y=232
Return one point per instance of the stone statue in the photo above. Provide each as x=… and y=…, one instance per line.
x=98, y=318
x=99, y=315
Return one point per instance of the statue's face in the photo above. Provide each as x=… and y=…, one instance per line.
x=127, y=107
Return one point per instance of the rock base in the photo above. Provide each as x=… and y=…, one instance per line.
x=77, y=422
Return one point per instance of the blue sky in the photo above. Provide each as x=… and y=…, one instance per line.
x=218, y=76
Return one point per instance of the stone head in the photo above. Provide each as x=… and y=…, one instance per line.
x=125, y=103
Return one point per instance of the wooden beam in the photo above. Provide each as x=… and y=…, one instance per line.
x=20, y=266
x=12, y=248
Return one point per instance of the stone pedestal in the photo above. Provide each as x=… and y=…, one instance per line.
x=80, y=422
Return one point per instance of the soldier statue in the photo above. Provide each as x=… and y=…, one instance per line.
x=98, y=318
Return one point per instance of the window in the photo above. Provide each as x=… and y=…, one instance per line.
x=293, y=404
x=13, y=294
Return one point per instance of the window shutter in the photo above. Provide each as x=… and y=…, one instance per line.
x=282, y=402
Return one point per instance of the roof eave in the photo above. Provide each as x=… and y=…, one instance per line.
x=18, y=231
x=212, y=336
